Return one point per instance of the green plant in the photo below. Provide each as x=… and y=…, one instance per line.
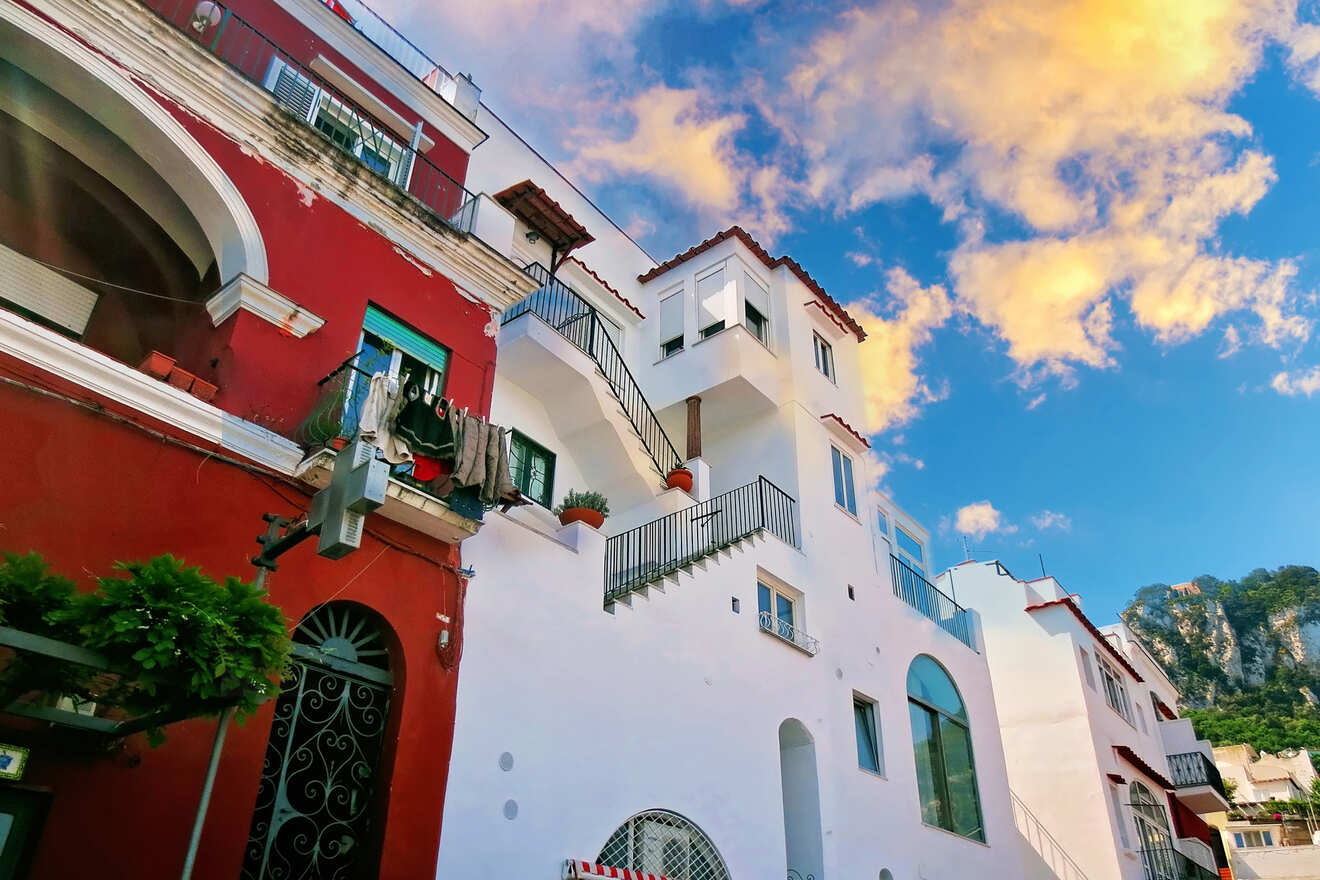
x=590, y=500
x=30, y=594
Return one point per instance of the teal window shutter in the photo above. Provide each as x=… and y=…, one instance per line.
x=406, y=339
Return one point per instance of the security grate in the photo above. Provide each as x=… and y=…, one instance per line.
x=663, y=843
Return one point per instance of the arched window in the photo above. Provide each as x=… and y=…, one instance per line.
x=1153, y=833
x=942, y=741
x=663, y=843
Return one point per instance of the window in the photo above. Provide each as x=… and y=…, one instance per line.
x=844, y=495
x=1086, y=668
x=910, y=547
x=942, y=743
x=1115, y=690
x=671, y=347
x=671, y=324
x=882, y=522
x=711, y=303
x=777, y=611
x=1153, y=838
x=756, y=308
x=533, y=469
x=1141, y=720
x=1155, y=706
x=868, y=742
x=663, y=843
x=390, y=346
x=824, y=356
x=1242, y=839
x=852, y=594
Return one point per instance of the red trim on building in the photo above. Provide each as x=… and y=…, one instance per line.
x=1148, y=771
x=1168, y=713
x=770, y=263
x=1100, y=637
x=847, y=427
x=533, y=205
x=1187, y=823
x=579, y=870
x=605, y=284
x=1116, y=778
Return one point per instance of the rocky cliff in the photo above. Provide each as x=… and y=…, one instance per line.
x=1252, y=644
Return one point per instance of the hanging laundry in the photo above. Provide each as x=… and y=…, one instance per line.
x=470, y=465
x=425, y=469
x=419, y=423
x=498, y=481
x=378, y=415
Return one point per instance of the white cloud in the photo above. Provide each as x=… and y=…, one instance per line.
x=979, y=519
x=1298, y=382
x=859, y=259
x=1036, y=401
x=1049, y=519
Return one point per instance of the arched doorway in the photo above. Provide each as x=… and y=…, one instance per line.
x=316, y=813
x=800, y=786
x=666, y=844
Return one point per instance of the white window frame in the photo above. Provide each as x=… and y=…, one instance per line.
x=1086, y=667
x=676, y=293
x=1115, y=689
x=820, y=347
x=877, y=738
x=848, y=474
x=905, y=555
x=722, y=268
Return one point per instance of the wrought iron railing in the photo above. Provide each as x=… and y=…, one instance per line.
x=313, y=101
x=577, y=321
x=1194, y=768
x=647, y=553
x=788, y=632
x=1167, y=863
x=912, y=587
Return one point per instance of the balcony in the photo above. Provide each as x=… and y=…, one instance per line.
x=334, y=419
x=673, y=543
x=380, y=141
x=912, y=587
x=782, y=629
x=1198, y=782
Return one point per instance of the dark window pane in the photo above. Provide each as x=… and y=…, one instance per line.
x=960, y=773
x=930, y=769
x=763, y=598
x=864, y=720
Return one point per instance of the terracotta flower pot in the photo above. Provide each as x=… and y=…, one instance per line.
x=593, y=518
x=338, y=443
x=157, y=364
x=680, y=478
x=181, y=379
x=203, y=389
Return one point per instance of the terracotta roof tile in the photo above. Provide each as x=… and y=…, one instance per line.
x=1099, y=636
x=548, y=218
x=847, y=427
x=770, y=263
x=605, y=284
x=1150, y=772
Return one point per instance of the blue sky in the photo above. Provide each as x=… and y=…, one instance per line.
x=1081, y=235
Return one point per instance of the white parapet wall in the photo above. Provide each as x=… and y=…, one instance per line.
x=1277, y=863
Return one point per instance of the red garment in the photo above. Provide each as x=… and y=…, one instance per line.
x=425, y=469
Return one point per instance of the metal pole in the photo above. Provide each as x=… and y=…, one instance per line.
x=196, y=838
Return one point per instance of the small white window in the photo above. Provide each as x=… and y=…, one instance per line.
x=711, y=303
x=869, y=755
x=824, y=356
x=671, y=325
x=756, y=308
x=779, y=612
x=844, y=494
x=1086, y=668
x=1115, y=690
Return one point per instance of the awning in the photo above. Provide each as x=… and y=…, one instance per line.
x=533, y=206
x=579, y=870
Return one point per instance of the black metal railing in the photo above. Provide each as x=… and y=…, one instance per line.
x=1167, y=863
x=789, y=632
x=1194, y=768
x=649, y=552
x=912, y=587
x=323, y=108
x=577, y=321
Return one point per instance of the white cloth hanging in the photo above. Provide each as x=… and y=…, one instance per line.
x=376, y=420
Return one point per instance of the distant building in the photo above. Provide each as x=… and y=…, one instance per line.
x=1187, y=589
x=1261, y=777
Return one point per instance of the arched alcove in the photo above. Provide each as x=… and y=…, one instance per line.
x=800, y=786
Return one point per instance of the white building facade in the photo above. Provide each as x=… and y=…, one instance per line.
x=1108, y=782
x=753, y=679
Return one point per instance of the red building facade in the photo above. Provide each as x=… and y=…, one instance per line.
x=242, y=188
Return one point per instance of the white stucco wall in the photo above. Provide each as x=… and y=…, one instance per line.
x=1277, y=863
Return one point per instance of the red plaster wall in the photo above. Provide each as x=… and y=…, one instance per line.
x=330, y=263
x=85, y=492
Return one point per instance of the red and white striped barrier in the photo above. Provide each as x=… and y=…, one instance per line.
x=575, y=870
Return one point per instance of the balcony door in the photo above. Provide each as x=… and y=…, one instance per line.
x=1155, y=842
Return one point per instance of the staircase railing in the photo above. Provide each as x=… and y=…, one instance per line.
x=912, y=587
x=577, y=321
x=647, y=553
x=1044, y=843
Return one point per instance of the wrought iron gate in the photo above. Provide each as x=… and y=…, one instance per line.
x=314, y=818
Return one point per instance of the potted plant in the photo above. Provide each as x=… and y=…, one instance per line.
x=157, y=364
x=680, y=478
x=588, y=507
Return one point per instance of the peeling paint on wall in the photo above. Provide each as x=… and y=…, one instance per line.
x=307, y=195
x=414, y=262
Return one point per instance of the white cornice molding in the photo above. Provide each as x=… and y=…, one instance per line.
x=67, y=359
x=244, y=292
x=316, y=17
x=168, y=62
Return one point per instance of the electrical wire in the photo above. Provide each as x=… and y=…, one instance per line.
x=123, y=287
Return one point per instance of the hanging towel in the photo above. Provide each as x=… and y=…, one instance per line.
x=476, y=434
x=375, y=423
x=420, y=426
x=425, y=469
x=498, y=481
